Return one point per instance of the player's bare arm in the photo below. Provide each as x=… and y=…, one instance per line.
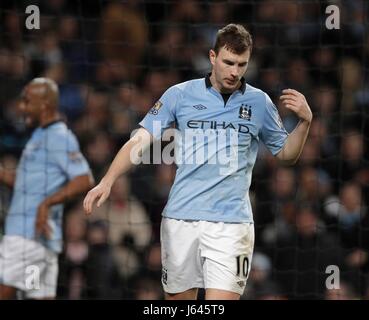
x=7, y=176
x=296, y=102
x=72, y=189
x=123, y=161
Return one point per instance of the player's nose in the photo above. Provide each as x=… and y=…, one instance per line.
x=235, y=72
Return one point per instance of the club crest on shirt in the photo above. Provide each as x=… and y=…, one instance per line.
x=245, y=112
x=155, y=109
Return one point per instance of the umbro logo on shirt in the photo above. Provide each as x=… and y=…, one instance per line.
x=200, y=107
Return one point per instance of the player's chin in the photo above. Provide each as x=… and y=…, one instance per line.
x=229, y=85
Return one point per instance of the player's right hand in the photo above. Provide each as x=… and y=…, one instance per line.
x=101, y=192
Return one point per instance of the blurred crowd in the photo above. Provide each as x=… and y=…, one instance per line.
x=114, y=59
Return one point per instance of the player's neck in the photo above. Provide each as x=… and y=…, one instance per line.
x=220, y=89
x=48, y=118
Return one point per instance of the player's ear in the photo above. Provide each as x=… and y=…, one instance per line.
x=45, y=105
x=212, y=56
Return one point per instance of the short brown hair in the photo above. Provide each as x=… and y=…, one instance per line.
x=235, y=38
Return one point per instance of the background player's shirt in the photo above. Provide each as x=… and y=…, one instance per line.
x=50, y=158
x=218, y=188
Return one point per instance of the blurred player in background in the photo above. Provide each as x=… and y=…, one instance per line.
x=51, y=171
x=207, y=231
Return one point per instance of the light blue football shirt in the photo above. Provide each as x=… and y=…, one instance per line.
x=49, y=160
x=216, y=189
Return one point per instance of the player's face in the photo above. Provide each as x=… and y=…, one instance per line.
x=228, y=68
x=31, y=104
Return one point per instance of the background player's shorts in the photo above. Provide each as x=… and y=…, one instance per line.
x=28, y=266
x=203, y=254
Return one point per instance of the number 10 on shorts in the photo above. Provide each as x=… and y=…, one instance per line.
x=242, y=262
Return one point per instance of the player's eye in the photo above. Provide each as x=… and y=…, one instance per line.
x=230, y=63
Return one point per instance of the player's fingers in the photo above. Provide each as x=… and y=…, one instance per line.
x=288, y=96
x=298, y=100
x=292, y=91
x=92, y=195
x=86, y=202
x=102, y=199
x=291, y=107
x=290, y=102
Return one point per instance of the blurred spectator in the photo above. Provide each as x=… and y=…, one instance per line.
x=297, y=75
x=128, y=222
x=314, y=186
x=319, y=136
x=301, y=260
x=353, y=162
x=324, y=65
x=260, y=286
x=351, y=80
x=324, y=103
x=12, y=35
x=129, y=230
x=123, y=114
x=282, y=207
x=71, y=100
x=14, y=70
x=73, y=261
x=9, y=163
x=102, y=278
x=44, y=52
x=72, y=49
x=123, y=36
x=310, y=154
x=345, y=292
x=97, y=112
x=150, y=274
x=348, y=217
x=99, y=152
x=148, y=289
x=217, y=15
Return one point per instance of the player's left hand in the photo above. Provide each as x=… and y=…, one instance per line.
x=42, y=226
x=296, y=102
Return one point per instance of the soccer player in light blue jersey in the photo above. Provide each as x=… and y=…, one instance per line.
x=207, y=231
x=51, y=171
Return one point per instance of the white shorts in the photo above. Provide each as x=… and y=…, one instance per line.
x=203, y=254
x=28, y=266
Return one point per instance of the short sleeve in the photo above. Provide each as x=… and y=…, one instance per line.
x=162, y=115
x=68, y=156
x=273, y=133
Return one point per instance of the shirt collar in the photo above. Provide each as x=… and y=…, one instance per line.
x=50, y=124
x=208, y=84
